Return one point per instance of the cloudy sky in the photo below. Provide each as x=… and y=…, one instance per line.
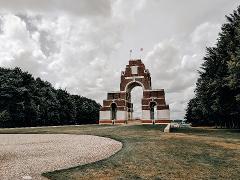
x=82, y=45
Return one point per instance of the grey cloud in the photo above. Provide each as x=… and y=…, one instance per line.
x=24, y=60
x=29, y=20
x=1, y=25
x=82, y=7
x=47, y=44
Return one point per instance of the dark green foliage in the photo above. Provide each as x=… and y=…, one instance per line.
x=217, y=98
x=25, y=101
x=5, y=118
x=85, y=109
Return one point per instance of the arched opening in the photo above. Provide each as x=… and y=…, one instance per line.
x=153, y=110
x=134, y=97
x=133, y=84
x=136, y=100
x=113, y=111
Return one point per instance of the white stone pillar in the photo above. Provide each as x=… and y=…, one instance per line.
x=105, y=115
x=163, y=114
x=145, y=114
x=122, y=115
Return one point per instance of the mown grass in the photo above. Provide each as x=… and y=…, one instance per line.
x=148, y=153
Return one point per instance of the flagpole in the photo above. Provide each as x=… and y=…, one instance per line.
x=141, y=51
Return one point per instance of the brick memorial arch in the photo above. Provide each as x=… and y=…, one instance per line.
x=118, y=109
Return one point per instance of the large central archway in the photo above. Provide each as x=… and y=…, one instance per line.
x=130, y=87
x=135, y=74
x=136, y=100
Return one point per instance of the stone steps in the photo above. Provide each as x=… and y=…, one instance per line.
x=134, y=122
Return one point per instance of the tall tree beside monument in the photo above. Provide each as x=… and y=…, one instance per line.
x=217, y=97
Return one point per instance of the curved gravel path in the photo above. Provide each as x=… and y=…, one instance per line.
x=26, y=156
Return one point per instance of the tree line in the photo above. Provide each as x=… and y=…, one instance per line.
x=217, y=93
x=25, y=102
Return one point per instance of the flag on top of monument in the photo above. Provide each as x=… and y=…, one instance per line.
x=141, y=49
x=130, y=50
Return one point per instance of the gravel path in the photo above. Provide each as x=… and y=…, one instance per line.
x=26, y=156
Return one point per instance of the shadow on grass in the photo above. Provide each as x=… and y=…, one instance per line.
x=208, y=131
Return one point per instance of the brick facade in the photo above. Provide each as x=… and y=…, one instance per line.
x=135, y=74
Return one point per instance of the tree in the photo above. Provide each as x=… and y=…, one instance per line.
x=25, y=101
x=67, y=111
x=87, y=110
x=5, y=119
x=218, y=87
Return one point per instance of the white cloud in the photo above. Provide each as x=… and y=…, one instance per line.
x=205, y=34
x=175, y=63
x=17, y=46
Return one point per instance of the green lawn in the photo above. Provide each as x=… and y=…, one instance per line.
x=148, y=153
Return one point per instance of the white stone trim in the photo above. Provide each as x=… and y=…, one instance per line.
x=168, y=128
x=121, y=115
x=141, y=84
x=163, y=114
x=145, y=115
x=154, y=90
x=114, y=92
x=153, y=98
x=134, y=77
x=105, y=115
